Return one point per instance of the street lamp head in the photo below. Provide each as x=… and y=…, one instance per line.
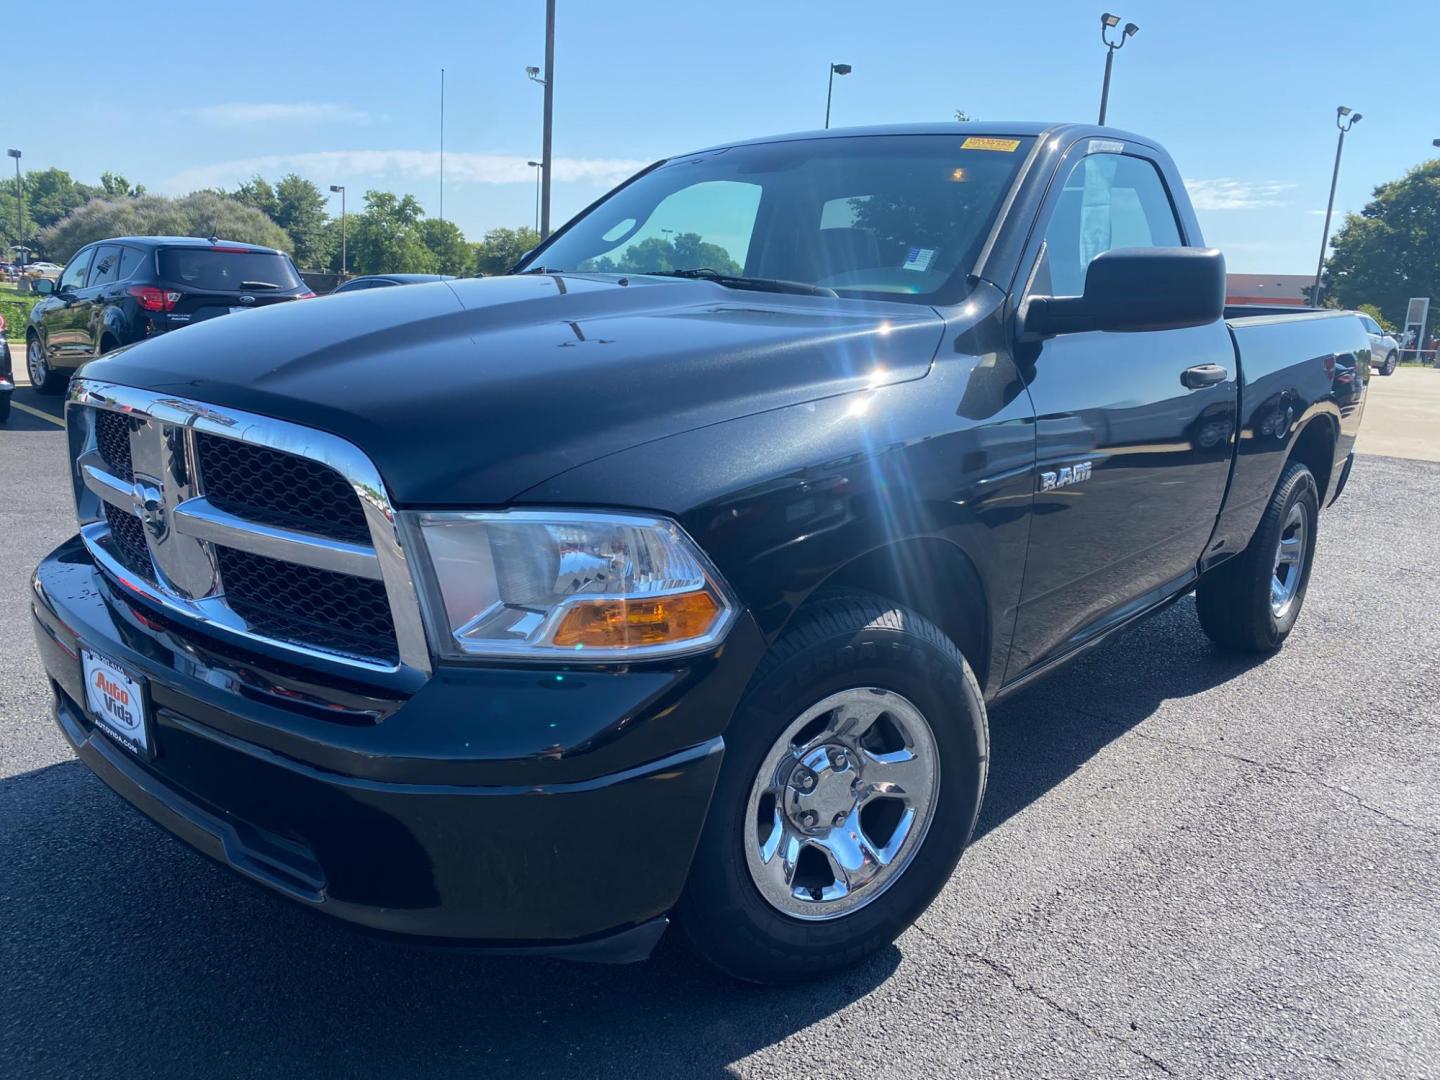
x=1131, y=29
x=1356, y=119
x=534, y=164
x=14, y=153
x=841, y=69
x=337, y=188
x=533, y=74
x=1109, y=21
x=1435, y=142
x=1342, y=110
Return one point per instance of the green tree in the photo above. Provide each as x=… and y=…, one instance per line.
x=501, y=249
x=201, y=213
x=298, y=207
x=386, y=237
x=1390, y=251
x=453, y=253
x=115, y=186
x=685, y=251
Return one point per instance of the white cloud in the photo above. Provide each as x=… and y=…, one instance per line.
x=1224, y=193
x=242, y=113
x=356, y=166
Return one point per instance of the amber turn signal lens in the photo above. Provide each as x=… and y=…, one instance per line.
x=617, y=624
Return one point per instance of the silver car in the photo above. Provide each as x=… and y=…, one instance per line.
x=1384, y=349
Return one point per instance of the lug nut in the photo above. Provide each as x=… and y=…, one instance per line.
x=838, y=820
x=806, y=781
x=838, y=761
x=808, y=819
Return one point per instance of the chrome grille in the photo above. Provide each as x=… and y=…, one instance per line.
x=252, y=527
x=112, y=439
x=127, y=536
x=265, y=485
x=300, y=603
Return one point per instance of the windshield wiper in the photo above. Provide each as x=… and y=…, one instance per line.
x=259, y=285
x=735, y=281
x=543, y=270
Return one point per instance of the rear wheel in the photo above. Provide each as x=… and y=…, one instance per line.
x=44, y=378
x=854, y=770
x=1251, y=602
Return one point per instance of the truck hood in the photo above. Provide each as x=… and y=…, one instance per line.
x=470, y=392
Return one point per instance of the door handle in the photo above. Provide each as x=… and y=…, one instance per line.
x=1202, y=375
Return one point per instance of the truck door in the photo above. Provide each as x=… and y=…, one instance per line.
x=1134, y=431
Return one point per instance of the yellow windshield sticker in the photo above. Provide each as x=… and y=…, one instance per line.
x=976, y=142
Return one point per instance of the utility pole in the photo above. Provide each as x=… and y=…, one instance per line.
x=545, y=157
x=442, y=144
x=1108, y=22
x=835, y=69
x=19, y=206
x=1344, y=125
x=340, y=188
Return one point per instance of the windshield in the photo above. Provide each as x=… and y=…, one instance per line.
x=894, y=216
x=222, y=270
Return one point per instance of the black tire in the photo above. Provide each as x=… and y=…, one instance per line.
x=838, y=641
x=4, y=408
x=50, y=381
x=1234, y=600
x=1389, y=366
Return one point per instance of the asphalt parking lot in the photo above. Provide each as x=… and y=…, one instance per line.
x=1188, y=865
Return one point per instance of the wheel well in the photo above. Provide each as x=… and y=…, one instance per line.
x=1315, y=449
x=935, y=579
x=108, y=341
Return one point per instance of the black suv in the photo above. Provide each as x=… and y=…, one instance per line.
x=115, y=292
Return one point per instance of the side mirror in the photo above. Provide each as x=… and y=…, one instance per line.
x=42, y=286
x=1133, y=289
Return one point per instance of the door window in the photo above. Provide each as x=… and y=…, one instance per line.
x=74, y=276
x=1108, y=201
x=130, y=260
x=107, y=265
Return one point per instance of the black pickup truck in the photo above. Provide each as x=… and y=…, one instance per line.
x=672, y=574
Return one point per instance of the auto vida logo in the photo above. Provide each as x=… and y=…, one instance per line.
x=1065, y=476
x=118, y=705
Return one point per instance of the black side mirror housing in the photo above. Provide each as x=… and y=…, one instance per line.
x=1134, y=289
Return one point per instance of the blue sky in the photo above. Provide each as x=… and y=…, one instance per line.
x=1243, y=95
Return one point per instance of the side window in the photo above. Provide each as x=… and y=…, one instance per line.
x=1108, y=201
x=74, y=276
x=131, y=259
x=106, y=266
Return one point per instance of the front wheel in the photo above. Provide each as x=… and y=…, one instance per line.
x=1389, y=366
x=1250, y=603
x=44, y=378
x=854, y=771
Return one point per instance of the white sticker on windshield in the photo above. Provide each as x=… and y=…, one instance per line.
x=918, y=258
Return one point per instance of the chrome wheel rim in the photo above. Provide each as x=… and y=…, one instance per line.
x=1289, y=562
x=35, y=363
x=841, y=804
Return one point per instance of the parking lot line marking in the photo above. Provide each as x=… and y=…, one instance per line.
x=36, y=412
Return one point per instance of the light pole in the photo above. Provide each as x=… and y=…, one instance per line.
x=19, y=206
x=1108, y=22
x=538, y=167
x=340, y=189
x=1344, y=125
x=835, y=69
x=548, y=84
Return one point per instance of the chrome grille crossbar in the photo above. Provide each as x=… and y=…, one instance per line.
x=200, y=518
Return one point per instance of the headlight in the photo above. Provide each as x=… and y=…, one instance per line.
x=568, y=584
